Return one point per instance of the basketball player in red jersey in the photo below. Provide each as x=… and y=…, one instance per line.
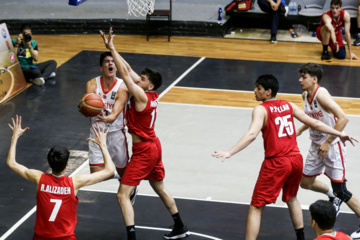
x=323, y=217
x=56, y=193
x=330, y=34
x=282, y=167
x=145, y=162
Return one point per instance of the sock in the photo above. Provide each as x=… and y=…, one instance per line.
x=330, y=193
x=325, y=48
x=116, y=175
x=131, y=232
x=177, y=220
x=300, y=235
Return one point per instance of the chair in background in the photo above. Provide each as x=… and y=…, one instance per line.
x=313, y=8
x=351, y=6
x=159, y=13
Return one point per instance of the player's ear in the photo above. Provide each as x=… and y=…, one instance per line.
x=151, y=87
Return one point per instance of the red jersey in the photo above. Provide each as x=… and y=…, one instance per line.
x=143, y=123
x=56, y=207
x=279, y=131
x=337, y=24
x=335, y=236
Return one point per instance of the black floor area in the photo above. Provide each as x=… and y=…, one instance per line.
x=51, y=113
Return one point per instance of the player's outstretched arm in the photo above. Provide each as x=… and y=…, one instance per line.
x=29, y=174
x=108, y=171
x=133, y=88
x=320, y=126
x=258, y=116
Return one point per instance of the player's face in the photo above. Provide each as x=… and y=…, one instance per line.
x=335, y=10
x=145, y=83
x=260, y=93
x=307, y=81
x=108, y=67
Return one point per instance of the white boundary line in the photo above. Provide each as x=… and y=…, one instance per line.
x=303, y=207
x=181, y=77
x=24, y=218
x=166, y=229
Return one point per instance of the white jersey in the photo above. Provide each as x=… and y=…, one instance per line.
x=108, y=98
x=314, y=110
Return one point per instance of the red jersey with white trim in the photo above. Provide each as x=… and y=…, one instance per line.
x=314, y=110
x=143, y=123
x=334, y=236
x=56, y=207
x=337, y=24
x=279, y=131
x=108, y=97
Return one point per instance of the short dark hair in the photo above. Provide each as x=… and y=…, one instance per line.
x=25, y=26
x=313, y=69
x=103, y=56
x=154, y=77
x=336, y=2
x=323, y=213
x=268, y=81
x=58, y=157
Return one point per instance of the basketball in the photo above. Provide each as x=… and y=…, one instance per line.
x=90, y=105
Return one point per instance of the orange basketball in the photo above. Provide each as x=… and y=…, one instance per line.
x=90, y=105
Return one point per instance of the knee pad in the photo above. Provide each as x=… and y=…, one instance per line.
x=341, y=191
x=341, y=54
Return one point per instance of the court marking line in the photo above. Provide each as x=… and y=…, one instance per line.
x=191, y=233
x=303, y=207
x=245, y=91
x=181, y=77
x=28, y=214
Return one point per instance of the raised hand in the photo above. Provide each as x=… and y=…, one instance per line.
x=16, y=127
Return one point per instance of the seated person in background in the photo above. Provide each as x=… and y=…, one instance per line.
x=27, y=52
x=275, y=8
x=329, y=32
x=357, y=36
x=323, y=216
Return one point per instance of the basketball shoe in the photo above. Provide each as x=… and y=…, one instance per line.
x=325, y=56
x=38, y=81
x=133, y=196
x=273, y=38
x=177, y=233
x=356, y=234
x=336, y=203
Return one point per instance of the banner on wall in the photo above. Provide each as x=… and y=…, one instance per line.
x=12, y=79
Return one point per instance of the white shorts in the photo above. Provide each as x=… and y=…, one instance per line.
x=334, y=163
x=117, y=146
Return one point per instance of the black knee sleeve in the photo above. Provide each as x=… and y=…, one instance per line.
x=341, y=191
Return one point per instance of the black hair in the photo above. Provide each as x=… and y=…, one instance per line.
x=313, y=69
x=336, y=2
x=58, y=157
x=103, y=56
x=25, y=26
x=323, y=213
x=268, y=81
x=154, y=77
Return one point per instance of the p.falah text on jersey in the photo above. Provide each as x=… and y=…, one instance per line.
x=279, y=109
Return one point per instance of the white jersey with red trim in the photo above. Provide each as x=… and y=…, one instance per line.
x=314, y=110
x=108, y=98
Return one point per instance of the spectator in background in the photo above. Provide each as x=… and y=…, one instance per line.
x=27, y=52
x=329, y=32
x=357, y=37
x=275, y=8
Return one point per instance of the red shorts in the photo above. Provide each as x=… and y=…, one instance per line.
x=331, y=44
x=276, y=174
x=145, y=163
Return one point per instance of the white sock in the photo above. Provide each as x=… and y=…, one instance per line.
x=330, y=193
x=116, y=175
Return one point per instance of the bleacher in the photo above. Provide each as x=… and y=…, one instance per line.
x=309, y=15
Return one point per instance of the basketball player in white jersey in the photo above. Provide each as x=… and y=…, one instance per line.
x=114, y=94
x=326, y=151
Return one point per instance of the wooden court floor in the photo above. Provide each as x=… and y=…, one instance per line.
x=196, y=95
